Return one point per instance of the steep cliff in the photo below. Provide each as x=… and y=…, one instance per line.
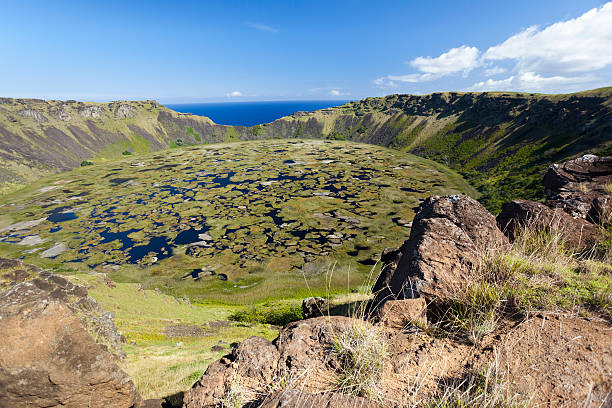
x=501, y=142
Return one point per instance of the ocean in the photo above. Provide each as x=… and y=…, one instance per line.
x=250, y=113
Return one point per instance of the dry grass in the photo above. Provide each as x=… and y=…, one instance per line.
x=362, y=352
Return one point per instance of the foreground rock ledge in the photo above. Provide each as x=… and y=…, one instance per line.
x=47, y=359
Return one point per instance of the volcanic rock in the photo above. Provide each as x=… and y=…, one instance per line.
x=575, y=184
x=450, y=235
x=48, y=359
x=577, y=233
x=314, y=307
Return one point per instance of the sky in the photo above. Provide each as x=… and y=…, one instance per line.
x=200, y=51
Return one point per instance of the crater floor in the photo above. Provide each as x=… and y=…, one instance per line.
x=226, y=218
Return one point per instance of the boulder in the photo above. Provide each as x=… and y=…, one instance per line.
x=301, y=354
x=399, y=314
x=98, y=322
x=449, y=238
x=600, y=212
x=291, y=398
x=314, y=307
x=577, y=233
x=389, y=260
x=250, y=366
x=48, y=359
x=573, y=185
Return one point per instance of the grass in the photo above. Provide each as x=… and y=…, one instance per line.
x=274, y=313
x=477, y=389
x=538, y=273
x=161, y=364
x=362, y=351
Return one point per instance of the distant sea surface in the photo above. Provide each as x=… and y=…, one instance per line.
x=250, y=113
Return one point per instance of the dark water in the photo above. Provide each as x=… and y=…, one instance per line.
x=250, y=113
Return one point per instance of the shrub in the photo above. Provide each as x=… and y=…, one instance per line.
x=126, y=153
x=86, y=163
x=275, y=314
x=362, y=351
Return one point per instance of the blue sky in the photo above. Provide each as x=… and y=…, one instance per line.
x=185, y=51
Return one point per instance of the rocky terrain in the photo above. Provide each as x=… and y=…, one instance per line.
x=501, y=142
x=471, y=310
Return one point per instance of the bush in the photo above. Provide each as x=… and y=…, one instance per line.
x=275, y=314
x=126, y=153
x=86, y=163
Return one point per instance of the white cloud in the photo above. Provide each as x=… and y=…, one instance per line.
x=530, y=82
x=263, y=27
x=578, y=45
x=334, y=92
x=494, y=70
x=234, y=94
x=459, y=59
x=567, y=55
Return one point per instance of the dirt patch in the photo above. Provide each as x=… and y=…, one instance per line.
x=184, y=330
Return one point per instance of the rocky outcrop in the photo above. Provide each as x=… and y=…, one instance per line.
x=399, y=314
x=48, y=359
x=314, y=307
x=518, y=215
x=574, y=185
x=300, y=354
x=449, y=238
x=31, y=281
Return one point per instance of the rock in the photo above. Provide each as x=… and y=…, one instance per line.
x=48, y=359
x=381, y=289
x=301, y=352
x=33, y=114
x=123, y=110
x=55, y=250
x=575, y=184
x=36, y=282
x=292, y=398
x=91, y=112
x=576, y=232
x=252, y=364
x=600, y=212
x=450, y=235
x=23, y=225
x=399, y=314
x=314, y=307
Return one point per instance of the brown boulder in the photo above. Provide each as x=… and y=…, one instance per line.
x=98, y=322
x=291, y=398
x=301, y=355
x=575, y=184
x=48, y=359
x=314, y=307
x=398, y=314
x=450, y=235
x=601, y=210
x=576, y=232
x=250, y=366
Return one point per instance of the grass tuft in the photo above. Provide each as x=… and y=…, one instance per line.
x=362, y=351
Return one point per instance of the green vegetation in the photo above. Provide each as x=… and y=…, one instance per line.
x=126, y=153
x=86, y=163
x=335, y=136
x=190, y=132
x=538, y=273
x=278, y=314
x=257, y=130
x=170, y=341
x=225, y=223
x=230, y=135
